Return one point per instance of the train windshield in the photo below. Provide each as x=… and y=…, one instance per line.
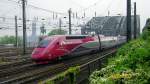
x=44, y=43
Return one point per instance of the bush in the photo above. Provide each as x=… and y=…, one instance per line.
x=10, y=40
x=71, y=72
x=146, y=34
x=130, y=66
x=57, y=32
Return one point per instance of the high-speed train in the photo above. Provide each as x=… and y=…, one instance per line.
x=58, y=46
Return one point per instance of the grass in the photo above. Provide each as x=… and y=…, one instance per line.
x=71, y=72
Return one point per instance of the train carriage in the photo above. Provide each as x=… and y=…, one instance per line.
x=58, y=46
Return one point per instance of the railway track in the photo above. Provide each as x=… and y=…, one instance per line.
x=33, y=74
x=11, y=51
x=11, y=59
x=14, y=64
x=13, y=54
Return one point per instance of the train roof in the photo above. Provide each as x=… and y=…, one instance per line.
x=72, y=36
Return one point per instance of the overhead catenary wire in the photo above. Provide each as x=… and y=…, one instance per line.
x=108, y=6
x=8, y=5
x=13, y=27
x=28, y=20
x=38, y=8
x=93, y=5
x=50, y=11
x=73, y=2
x=28, y=5
x=110, y=3
x=47, y=10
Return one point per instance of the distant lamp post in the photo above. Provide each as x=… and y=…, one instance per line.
x=19, y=26
x=119, y=14
x=65, y=17
x=43, y=19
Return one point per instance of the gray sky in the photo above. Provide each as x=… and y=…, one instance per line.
x=102, y=7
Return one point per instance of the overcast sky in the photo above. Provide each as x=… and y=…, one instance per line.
x=100, y=6
x=80, y=6
x=9, y=9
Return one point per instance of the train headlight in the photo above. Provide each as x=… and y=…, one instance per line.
x=35, y=52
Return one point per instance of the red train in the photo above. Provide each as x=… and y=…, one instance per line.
x=58, y=46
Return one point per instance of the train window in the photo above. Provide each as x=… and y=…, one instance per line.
x=44, y=43
x=75, y=37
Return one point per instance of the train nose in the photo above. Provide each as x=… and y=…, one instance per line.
x=40, y=55
x=36, y=54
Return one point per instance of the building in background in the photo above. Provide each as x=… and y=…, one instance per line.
x=109, y=26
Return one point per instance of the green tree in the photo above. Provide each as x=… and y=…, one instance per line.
x=10, y=40
x=57, y=32
x=147, y=25
x=131, y=64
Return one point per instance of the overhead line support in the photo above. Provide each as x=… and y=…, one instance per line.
x=24, y=25
x=129, y=20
